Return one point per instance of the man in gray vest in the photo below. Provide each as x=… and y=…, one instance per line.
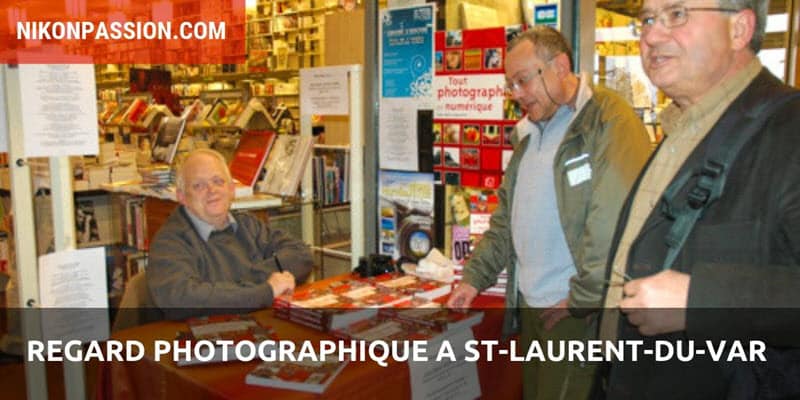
x=581, y=149
x=208, y=259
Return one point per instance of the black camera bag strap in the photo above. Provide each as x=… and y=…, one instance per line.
x=711, y=176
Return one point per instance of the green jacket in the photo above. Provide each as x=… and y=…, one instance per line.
x=614, y=138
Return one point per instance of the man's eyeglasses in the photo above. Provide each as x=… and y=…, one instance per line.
x=672, y=17
x=520, y=81
x=202, y=186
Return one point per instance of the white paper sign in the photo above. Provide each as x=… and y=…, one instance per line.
x=73, y=294
x=59, y=109
x=446, y=379
x=469, y=96
x=479, y=222
x=398, y=135
x=323, y=91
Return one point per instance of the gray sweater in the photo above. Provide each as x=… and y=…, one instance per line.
x=227, y=274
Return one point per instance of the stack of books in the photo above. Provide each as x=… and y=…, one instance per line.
x=414, y=286
x=224, y=327
x=336, y=306
x=159, y=174
x=433, y=316
x=385, y=329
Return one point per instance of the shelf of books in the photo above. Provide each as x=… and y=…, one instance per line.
x=331, y=182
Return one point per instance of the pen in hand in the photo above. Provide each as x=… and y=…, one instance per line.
x=278, y=263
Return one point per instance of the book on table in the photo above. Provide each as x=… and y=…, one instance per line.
x=385, y=329
x=306, y=376
x=336, y=306
x=414, y=285
x=426, y=313
x=235, y=328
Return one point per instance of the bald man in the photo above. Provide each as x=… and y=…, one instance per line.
x=207, y=260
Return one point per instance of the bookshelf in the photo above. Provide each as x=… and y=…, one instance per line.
x=284, y=35
x=352, y=161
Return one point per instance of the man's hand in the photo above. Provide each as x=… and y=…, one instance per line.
x=657, y=304
x=281, y=282
x=554, y=313
x=462, y=296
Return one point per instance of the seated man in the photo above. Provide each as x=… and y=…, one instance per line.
x=205, y=259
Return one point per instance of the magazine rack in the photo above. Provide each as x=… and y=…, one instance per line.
x=308, y=108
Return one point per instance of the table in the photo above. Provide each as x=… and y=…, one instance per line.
x=148, y=379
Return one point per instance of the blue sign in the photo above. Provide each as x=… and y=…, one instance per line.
x=546, y=14
x=407, y=52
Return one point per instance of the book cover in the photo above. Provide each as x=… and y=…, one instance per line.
x=224, y=327
x=336, y=306
x=384, y=329
x=217, y=112
x=255, y=115
x=286, y=164
x=306, y=376
x=434, y=316
x=249, y=157
x=167, y=139
x=232, y=112
x=135, y=111
x=118, y=116
x=154, y=115
x=415, y=286
x=93, y=221
x=405, y=214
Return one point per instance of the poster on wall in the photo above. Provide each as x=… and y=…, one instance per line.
x=59, y=105
x=398, y=135
x=324, y=90
x=406, y=74
x=406, y=51
x=473, y=118
x=405, y=214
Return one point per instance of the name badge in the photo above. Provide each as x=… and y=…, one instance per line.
x=578, y=175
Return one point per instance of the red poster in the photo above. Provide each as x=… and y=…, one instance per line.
x=474, y=119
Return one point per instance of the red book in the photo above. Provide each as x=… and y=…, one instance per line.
x=434, y=316
x=338, y=305
x=415, y=286
x=306, y=376
x=384, y=329
x=250, y=154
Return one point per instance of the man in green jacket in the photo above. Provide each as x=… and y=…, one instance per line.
x=580, y=151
